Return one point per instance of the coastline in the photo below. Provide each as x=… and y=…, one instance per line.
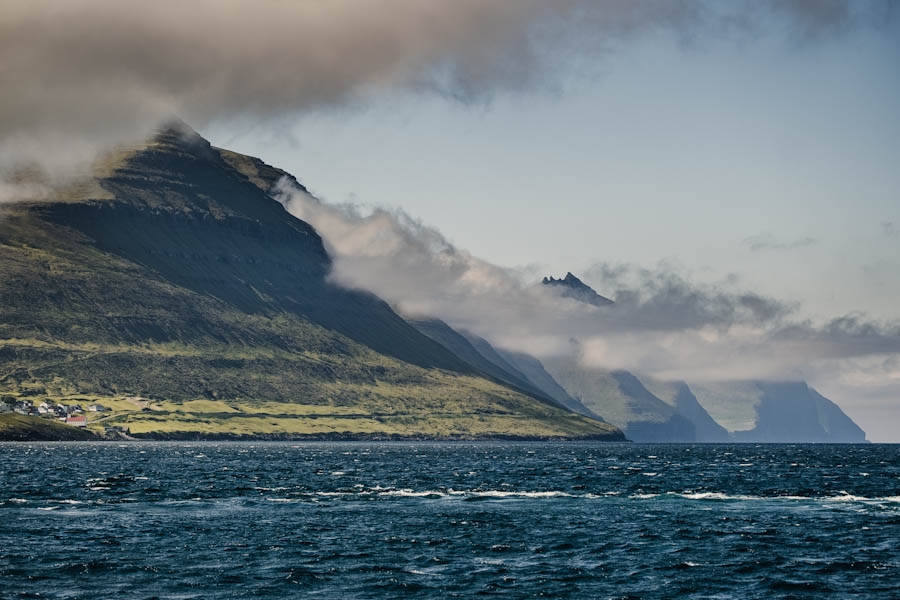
x=335, y=437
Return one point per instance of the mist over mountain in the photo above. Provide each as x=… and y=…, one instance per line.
x=449, y=298
x=79, y=80
x=150, y=205
x=755, y=411
x=679, y=396
x=662, y=324
x=481, y=357
x=169, y=288
x=572, y=287
x=648, y=409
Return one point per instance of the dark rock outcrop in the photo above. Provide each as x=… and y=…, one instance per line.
x=572, y=287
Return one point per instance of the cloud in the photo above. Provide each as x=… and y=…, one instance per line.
x=767, y=241
x=663, y=323
x=664, y=299
x=80, y=75
x=23, y=184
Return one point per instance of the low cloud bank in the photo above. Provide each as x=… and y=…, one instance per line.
x=662, y=324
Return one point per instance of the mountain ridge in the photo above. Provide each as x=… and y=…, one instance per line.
x=571, y=286
x=751, y=411
x=171, y=288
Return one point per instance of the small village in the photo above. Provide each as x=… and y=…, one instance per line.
x=74, y=414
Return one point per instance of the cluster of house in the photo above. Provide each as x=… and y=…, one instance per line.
x=71, y=414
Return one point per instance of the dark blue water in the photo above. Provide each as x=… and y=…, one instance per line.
x=273, y=520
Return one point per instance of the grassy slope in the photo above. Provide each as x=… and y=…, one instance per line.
x=464, y=349
x=173, y=278
x=16, y=427
x=621, y=400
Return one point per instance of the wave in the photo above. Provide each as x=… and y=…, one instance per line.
x=411, y=493
x=842, y=497
x=510, y=494
x=490, y=494
x=685, y=495
x=845, y=497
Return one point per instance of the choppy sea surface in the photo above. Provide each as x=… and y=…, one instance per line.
x=396, y=520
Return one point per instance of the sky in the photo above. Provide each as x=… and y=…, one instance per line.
x=726, y=171
x=774, y=162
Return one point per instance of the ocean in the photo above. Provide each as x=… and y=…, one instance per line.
x=448, y=520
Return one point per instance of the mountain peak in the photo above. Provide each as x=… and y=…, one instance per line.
x=177, y=125
x=574, y=288
x=174, y=135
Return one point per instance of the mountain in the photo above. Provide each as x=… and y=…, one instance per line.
x=463, y=348
x=530, y=369
x=618, y=396
x=537, y=374
x=170, y=287
x=755, y=411
x=652, y=410
x=572, y=287
x=679, y=396
x=623, y=401
x=521, y=371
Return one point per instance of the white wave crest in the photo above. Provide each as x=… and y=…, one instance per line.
x=407, y=493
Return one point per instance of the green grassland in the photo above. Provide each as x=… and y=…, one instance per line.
x=16, y=427
x=171, y=277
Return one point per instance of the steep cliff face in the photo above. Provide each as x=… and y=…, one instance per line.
x=623, y=401
x=651, y=410
x=777, y=412
x=837, y=425
x=172, y=276
x=679, y=396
